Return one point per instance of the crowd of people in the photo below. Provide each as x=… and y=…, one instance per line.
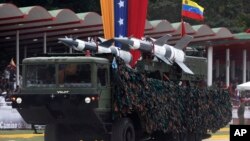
x=8, y=80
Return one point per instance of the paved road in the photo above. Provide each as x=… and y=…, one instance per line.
x=221, y=135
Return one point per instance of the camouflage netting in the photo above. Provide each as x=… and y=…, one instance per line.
x=165, y=106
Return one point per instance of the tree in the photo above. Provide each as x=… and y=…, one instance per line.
x=234, y=15
x=226, y=13
x=162, y=9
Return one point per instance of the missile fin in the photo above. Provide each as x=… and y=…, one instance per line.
x=125, y=47
x=163, y=40
x=101, y=39
x=148, y=38
x=107, y=43
x=184, y=67
x=183, y=42
x=74, y=38
x=163, y=59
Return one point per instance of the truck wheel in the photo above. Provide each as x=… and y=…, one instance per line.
x=51, y=133
x=198, y=137
x=61, y=132
x=123, y=130
x=160, y=136
x=194, y=137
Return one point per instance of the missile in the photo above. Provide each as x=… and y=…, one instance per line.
x=77, y=44
x=158, y=47
x=104, y=47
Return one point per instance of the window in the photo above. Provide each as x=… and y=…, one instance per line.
x=74, y=75
x=40, y=75
x=102, y=75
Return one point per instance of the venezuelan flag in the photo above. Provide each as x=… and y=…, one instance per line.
x=192, y=10
x=124, y=18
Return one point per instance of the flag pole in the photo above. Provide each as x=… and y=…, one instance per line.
x=183, y=28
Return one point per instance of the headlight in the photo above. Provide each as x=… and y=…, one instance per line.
x=87, y=100
x=19, y=100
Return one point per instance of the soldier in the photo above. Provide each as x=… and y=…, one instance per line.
x=241, y=111
x=34, y=128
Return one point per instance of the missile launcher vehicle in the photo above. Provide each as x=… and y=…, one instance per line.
x=100, y=97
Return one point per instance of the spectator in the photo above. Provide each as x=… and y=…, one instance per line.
x=1, y=92
x=1, y=84
x=17, y=90
x=7, y=74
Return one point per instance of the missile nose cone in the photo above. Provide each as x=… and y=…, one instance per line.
x=68, y=42
x=124, y=41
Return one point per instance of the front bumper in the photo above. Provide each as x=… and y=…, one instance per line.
x=60, y=108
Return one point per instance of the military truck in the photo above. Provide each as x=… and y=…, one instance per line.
x=75, y=97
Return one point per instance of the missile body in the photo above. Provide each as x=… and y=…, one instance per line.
x=167, y=53
x=125, y=55
x=77, y=44
x=174, y=54
x=80, y=45
x=145, y=46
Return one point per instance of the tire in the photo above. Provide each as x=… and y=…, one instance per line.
x=194, y=137
x=51, y=133
x=123, y=130
x=205, y=136
x=56, y=132
x=64, y=132
x=191, y=137
x=160, y=136
x=198, y=137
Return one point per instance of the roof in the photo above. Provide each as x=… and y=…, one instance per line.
x=242, y=36
x=34, y=23
x=65, y=59
x=243, y=86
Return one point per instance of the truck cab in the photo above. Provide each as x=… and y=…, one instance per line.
x=72, y=92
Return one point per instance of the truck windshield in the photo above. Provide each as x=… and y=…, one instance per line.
x=40, y=75
x=69, y=75
x=74, y=75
